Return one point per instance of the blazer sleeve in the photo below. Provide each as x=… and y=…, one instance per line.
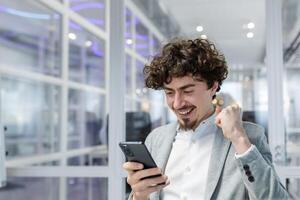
x=258, y=172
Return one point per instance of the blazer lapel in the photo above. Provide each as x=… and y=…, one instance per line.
x=165, y=147
x=217, y=160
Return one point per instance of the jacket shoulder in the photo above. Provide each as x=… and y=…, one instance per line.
x=158, y=134
x=162, y=131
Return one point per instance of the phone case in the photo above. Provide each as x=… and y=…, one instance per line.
x=137, y=152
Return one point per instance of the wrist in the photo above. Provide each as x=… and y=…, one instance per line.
x=138, y=198
x=241, y=144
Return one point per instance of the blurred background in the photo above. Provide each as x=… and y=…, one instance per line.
x=71, y=85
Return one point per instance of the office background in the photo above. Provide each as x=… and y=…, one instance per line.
x=72, y=87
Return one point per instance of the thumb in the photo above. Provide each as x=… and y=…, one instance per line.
x=218, y=121
x=218, y=109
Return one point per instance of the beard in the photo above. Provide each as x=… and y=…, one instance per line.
x=186, y=124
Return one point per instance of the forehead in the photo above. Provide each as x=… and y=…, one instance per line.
x=178, y=82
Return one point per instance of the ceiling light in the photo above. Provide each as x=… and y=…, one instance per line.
x=88, y=43
x=199, y=28
x=72, y=36
x=250, y=35
x=203, y=36
x=250, y=25
x=129, y=41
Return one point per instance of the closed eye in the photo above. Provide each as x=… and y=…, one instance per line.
x=188, y=91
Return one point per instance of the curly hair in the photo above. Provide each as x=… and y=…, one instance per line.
x=181, y=57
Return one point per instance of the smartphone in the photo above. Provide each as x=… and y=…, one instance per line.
x=137, y=152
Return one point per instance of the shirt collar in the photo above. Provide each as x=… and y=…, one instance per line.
x=206, y=127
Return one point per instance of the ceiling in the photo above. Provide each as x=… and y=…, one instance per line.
x=224, y=23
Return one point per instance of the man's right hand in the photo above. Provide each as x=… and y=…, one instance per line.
x=140, y=184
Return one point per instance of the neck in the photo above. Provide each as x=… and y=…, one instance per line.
x=209, y=113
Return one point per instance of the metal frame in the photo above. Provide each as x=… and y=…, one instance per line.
x=116, y=54
x=100, y=150
x=274, y=64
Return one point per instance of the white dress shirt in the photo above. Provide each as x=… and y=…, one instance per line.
x=188, y=163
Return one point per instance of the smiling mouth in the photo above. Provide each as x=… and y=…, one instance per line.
x=185, y=112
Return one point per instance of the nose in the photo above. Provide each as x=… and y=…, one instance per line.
x=178, y=101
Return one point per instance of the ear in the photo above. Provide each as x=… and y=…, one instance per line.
x=214, y=88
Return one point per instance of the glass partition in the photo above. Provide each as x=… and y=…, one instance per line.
x=31, y=117
x=33, y=43
x=92, y=10
x=291, y=58
x=86, y=57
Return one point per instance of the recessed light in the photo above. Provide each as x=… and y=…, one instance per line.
x=250, y=25
x=250, y=35
x=72, y=36
x=88, y=43
x=129, y=41
x=203, y=36
x=199, y=28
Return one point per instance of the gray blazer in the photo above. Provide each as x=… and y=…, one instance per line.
x=227, y=178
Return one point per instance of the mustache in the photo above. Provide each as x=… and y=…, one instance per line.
x=184, y=107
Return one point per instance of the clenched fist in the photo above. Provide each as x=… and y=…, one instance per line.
x=229, y=120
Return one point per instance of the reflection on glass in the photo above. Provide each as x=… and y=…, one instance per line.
x=138, y=106
x=292, y=116
x=30, y=114
x=87, y=188
x=142, y=40
x=51, y=188
x=156, y=108
x=30, y=188
x=86, y=57
x=91, y=10
x=141, y=90
x=128, y=25
x=291, y=98
x=156, y=45
x=138, y=125
x=128, y=104
x=96, y=157
x=30, y=37
x=86, y=119
x=153, y=104
x=128, y=75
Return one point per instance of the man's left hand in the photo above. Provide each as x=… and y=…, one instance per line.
x=230, y=120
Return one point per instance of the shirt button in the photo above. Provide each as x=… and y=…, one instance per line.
x=251, y=179
x=246, y=167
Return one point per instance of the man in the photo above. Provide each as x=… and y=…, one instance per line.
x=208, y=153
